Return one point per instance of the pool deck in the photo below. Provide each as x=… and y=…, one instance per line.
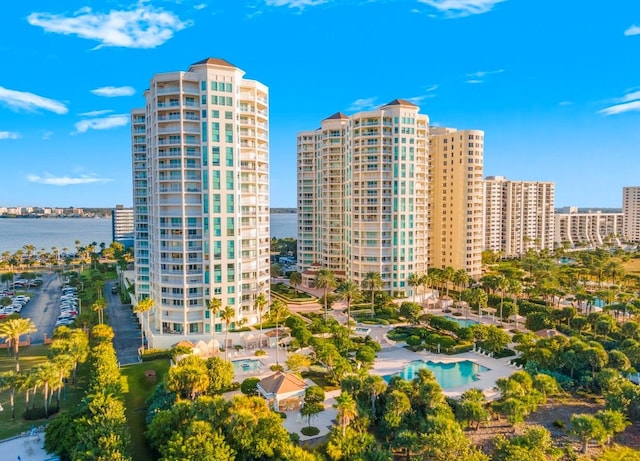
x=393, y=360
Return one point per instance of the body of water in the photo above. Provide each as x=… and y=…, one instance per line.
x=284, y=225
x=61, y=233
x=449, y=375
x=46, y=233
x=462, y=322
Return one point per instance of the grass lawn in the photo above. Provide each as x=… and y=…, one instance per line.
x=632, y=266
x=136, y=391
x=29, y=357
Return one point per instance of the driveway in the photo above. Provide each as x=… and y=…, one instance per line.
x=43, y=309
x=125, y=326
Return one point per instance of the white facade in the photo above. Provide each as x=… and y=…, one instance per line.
x=362, y=193
x=518, y=215
x=631, y=212
x=593, y=230
x=201, y=196
x=122, y=223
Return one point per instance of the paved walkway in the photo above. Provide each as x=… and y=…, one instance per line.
x=127, y=334
x=27, y=447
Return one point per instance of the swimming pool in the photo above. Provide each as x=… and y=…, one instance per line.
x=245, y=365
x=449, y=375
x=462, y=322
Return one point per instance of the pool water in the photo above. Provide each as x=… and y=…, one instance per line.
x=462, y=322
x=598, y=302
x=449, y=375
x=245, y=365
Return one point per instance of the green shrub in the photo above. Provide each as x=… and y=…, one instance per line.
x=38, y=413
x=154, y=354
x=260, y=353
x=414, y=340
x=559, y=424
x=249, y=386
x=275, y=367
x=310, y=431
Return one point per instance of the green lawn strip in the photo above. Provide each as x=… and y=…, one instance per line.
x=30, y=357
x=136, y=390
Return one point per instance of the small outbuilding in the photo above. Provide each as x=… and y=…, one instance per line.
x=283, y=391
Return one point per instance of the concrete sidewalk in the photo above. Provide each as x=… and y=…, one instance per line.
x=27, y=447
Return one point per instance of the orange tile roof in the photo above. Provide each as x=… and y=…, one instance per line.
x=282, y=383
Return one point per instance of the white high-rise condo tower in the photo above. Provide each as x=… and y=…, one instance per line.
x=201, y=198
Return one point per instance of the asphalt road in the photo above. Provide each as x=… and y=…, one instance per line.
x=127, y=334
x=43, y=309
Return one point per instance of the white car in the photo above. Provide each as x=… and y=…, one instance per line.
x=24, y=298
x=17, y=307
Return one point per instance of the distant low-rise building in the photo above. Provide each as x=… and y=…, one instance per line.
x=587, y=229
x=122, y=225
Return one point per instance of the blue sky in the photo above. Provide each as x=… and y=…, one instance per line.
x=556, y=87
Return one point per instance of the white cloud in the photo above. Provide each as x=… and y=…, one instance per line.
x=142, y=26
x=633, y=30
x=630, y=102
x=46, y=135
x=114, y=91
x=460, y=8
x=478, y=77
x=9, y=135
x=200, y=6
x=96, y=113
x=105, y=123
x=51, y=180
x=362, y=104
x=29, y=101
x=431, y=88
x=295, y=3
x=565, y=103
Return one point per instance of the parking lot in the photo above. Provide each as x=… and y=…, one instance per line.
x=43, y=309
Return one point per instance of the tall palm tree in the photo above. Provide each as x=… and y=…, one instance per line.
x=447, y=276
x=326, y=280
x=260, y=303
x=349, y=291
x=12, y=381
x=413, y=281
x=72, y=342
x=278, y=312
x=503, y=285
x=461, y=280
x=347, y=410
x=214, y=305
x=144, y=306
x=12, y=329
x=228, y=314
x=98, y=306
x=46, y=375
x=373, y=281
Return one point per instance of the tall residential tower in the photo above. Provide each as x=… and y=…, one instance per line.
x=201, y=197
x=518, y=215
x=365, y=198
x=631, y=212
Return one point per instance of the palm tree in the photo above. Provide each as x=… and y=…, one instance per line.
x=260, y=303
x=71, y=342
x=295, y=279
x=228, y=314
x=214, y=305
x=347, y=410
x=98, y=306
x=349, y=291
x=326, y=280
x=278, y=312
x=12, y=381
x=46, y=375
x=503, y=285
x=447, y=276
x=144, y=306
x=413, y=281
x=12, y=329
x=372, y=281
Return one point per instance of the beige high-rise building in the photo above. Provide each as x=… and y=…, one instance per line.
x=370, y=196
x=587, y=229
x=201, y=198
x=455, y=199
x=362, y=195
x=631, y=212
x=518, y=215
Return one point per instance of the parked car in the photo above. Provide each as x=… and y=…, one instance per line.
x=24, y=298
x=114, y=289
